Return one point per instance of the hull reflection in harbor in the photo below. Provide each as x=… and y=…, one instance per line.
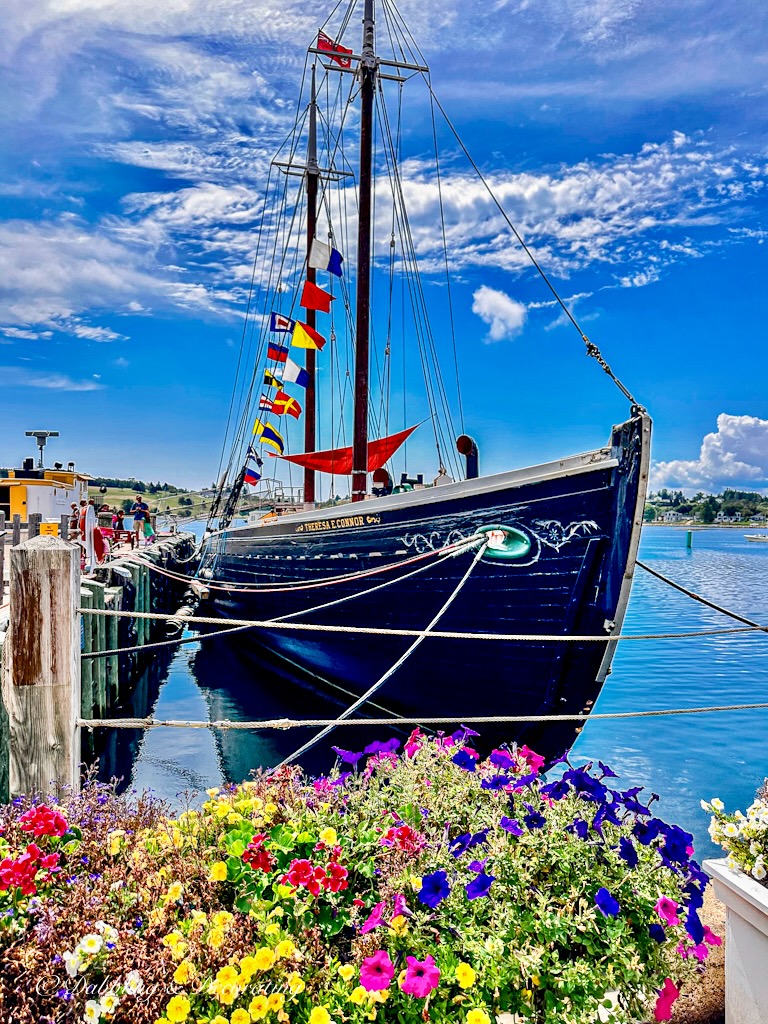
x=243, y=683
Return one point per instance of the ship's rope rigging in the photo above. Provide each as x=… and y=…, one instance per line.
x=278, y=262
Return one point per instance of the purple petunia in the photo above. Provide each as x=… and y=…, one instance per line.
x=533, y=819
x=379, y=747
x=462, y=735
x=465, y=760
x=480, y=886
x=627, y=852
x=501, y=759
x=606, y=904
x=585, y=785
x=434, y=889
x=607, y=772
x=512, y=826
x=347, y=756
x=693, y=926
x=495, y=782
x=657, y=932
x=459, y=845
x=579, y=827
x=556, y=790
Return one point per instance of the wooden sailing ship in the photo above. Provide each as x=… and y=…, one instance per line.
x=511, y=564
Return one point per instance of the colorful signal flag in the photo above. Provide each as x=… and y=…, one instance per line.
x=280, y=324
x=324, y=257
x=305, y=336
x=313, y=297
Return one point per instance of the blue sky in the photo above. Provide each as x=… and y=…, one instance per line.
x=624, y=138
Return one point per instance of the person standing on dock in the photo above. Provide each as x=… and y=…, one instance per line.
x=140, y=511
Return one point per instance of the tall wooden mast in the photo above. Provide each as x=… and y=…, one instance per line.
x=313, y=174
x=367, y=72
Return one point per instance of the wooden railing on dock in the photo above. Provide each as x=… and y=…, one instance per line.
x=46, y=685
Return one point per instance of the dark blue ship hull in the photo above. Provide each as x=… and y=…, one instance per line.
x=577, y=523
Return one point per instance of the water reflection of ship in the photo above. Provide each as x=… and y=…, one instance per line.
x=239, y=683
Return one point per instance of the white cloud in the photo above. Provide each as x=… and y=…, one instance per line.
x=504, y=315
x=735, y=455
x=24, y=334
x=18, y=377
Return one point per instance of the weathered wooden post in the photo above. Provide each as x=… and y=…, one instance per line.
x=98, y=637
x=16, y=539
x=64, y=526
x=33, y=526
x=2, y=564
x=41, y=677
x=2, y=521
x=113, y=600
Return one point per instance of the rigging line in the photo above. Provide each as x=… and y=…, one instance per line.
x=426, y=341
x=401, y=660
x=700, y=599
x=445, y=258
x=592, y=348
x=400, y=720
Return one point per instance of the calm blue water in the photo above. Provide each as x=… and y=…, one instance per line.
x=683, y=758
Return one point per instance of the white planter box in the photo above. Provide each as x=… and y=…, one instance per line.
x=746, y=943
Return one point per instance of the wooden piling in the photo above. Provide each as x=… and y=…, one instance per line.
x=64, y=526
x=98, y=644
x=41, y=676
x=16, y=539
x=33, y=526
x=86, y=680
x=113, y=600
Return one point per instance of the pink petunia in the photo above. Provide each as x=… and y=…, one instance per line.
x=374, y=920
x=667, y=910
x=376, y=972
x=422, y=976
x=710, y=938
x=414, y=742
x=667, y=996
x=534, y=761
x=401, y=906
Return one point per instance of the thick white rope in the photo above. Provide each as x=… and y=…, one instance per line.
x=290, y=723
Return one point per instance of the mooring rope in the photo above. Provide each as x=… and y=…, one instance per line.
x=702, y=600
x=391, y=671
x=314, y=723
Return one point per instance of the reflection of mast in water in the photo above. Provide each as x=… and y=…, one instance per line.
x=241, y=683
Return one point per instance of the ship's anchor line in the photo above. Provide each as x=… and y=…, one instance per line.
x=364, y=698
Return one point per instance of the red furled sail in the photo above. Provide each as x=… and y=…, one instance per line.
x=339, y=460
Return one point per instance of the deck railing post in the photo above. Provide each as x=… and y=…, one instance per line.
x=33, y=525
x=64, y=526
x=16, y=539
x=41, y=676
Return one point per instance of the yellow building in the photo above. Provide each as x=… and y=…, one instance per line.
x=47, y=491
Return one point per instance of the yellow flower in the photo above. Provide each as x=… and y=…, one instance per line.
x=115, y=841
x=177, y=1009
x=272, y=929
x=199, y=918
x=270, y=809
x=248, y=968
x=465, y=976
x=215, y=938
x=222, y=919
x=319, y=1015
x=226, y=993
x=240, y=1016
x=172, y=939
x=258, y=1008
x=378, y=997
x=284, y=891
x=179, y=951
x=284, y=949
x=295, y=983
x=214, y=791
x=222, y=809
x=478, y=1017
x=347, y=971
x=358, y=995
x=399, y=925
x=218, y=872
x=401, y=978
x=264, y=958
x=184, y=973
x=175, y=892
x=218, y=1019
x=370, y=1013
x=329, y=837
x=226, y=974
x=276, y=1001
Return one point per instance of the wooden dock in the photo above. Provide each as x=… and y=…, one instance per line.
x=47, y=682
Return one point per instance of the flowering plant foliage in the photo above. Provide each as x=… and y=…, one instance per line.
x=434, y=885
x=744, y=836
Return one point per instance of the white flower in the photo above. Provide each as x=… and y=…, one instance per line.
x=133, y=983
x=90, y=944
x=109, y=1002
x=717, y=803
x=758, y=871
x=754, y=849
x=72, y=963
x=92, y=1013
x=731, y=829
x=109, y=934
x=732, y=863
x=705, y=806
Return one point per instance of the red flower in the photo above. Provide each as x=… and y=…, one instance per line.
x=42, y=821
x=256, y=856
x=403, y=837
x=336, y=877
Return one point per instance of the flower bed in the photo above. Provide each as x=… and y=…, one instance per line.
x=743, y=836
x=427, y=886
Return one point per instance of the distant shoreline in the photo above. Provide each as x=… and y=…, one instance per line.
x=710, y=526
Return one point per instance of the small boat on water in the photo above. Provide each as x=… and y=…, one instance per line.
x=760, y=537
x=511, y=565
